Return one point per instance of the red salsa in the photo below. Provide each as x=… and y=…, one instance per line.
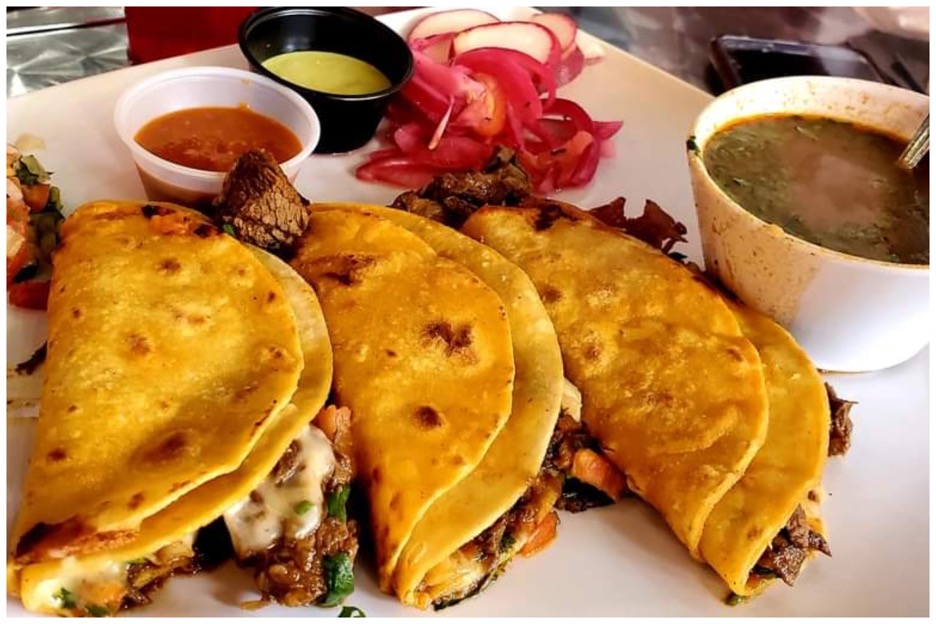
x=211, y=138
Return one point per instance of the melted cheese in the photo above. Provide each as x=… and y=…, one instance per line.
x=291, y=510
x=104, y=586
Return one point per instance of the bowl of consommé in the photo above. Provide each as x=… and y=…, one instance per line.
x=185, y=128
x=806, y=216
x=345, y=63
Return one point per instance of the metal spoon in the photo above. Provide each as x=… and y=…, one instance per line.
x=917, y=148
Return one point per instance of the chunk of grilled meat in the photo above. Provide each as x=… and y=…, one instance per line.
x=451, y=198
x=785, y=556
x=261, y=205
x=841, y=428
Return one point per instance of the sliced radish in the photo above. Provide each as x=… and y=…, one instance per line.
x=449, y=22
x=562, y=26
x=590, y=47
x=570, y=67
x=527, y=37
x=436, y=47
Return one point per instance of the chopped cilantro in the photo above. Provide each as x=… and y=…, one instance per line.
x=65, y=598
x=339, y=578
x=303, y=507
x=95, y=610
x=733, y=600
x=30, y=172
x=227, y=227
x=507, y=542
x=338, y=502
x=351, y=612
x=55, y=200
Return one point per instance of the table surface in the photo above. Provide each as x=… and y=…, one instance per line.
x=674, y=39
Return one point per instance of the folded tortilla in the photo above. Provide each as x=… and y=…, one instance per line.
x=161, y=328
x=432, y=568
x=423, y=357
x=670, y=385
x=785, y=473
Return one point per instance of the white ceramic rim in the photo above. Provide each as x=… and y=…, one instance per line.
x=850, y=83
x=139, y=153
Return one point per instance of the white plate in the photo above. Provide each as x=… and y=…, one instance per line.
x=613, y=561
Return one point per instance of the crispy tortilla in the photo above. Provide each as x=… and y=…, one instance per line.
x=127, y=423
x=654, y=352
x=787, y=467
x=514, y=459
x=423, y=358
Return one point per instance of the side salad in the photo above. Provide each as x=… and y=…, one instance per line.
x=34, y=210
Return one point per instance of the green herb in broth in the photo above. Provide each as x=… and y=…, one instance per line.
x=829, y=182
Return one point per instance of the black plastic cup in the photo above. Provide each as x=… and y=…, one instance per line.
x=348, y=121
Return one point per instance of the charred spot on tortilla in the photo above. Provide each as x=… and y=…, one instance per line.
x=151, y=210
x=72, y=408
x=548, y=215
x=455, y=339
x=136, y=500
x=205, y=230
x=246, y=391
x=550, y=294
x=171, y=447
x=139, y=344
x=352, y=269
x=178, y=485
x=57, y=455
x=428, y=417
x=169, y=266
x=391, y=353
x=592, y=352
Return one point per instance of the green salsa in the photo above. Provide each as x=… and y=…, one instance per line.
x=829, y=182
x=328, y=72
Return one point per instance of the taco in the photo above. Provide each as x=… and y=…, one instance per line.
x=183, y=371
x=670, y=385
x=470, y=533
x=767, y=526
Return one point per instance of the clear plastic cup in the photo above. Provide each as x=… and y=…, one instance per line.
x=194, y=87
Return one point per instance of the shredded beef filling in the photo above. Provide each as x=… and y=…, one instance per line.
x=294, y=572
x=785, y=556
x=840, y=430
x=494, y=548
x=569, y=437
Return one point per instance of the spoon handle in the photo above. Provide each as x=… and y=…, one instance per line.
x=917, y=147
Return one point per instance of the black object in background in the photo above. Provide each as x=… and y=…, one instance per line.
x=741, y=60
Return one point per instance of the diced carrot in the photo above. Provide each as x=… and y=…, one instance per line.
x=543, y=535
x=593, y=469
x=327, y=421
